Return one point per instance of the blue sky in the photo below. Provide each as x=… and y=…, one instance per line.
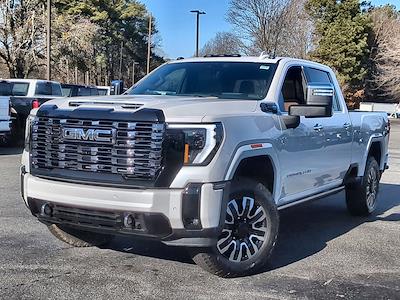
x=176, y=25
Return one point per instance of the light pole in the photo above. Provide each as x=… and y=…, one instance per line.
x=198, y=13
x=48, y=41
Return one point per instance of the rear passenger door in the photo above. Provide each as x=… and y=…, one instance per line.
x=337, y=130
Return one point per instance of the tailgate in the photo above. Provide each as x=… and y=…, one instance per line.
x=4, y=114
x=4, y=108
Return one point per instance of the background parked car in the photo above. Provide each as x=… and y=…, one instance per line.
x=5, y=119
x=75, y=90
x=28, y=94
x=104, y=90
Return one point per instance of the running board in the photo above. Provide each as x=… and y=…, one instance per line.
x=313, y=197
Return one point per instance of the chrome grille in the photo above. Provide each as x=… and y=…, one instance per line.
x=133, y=149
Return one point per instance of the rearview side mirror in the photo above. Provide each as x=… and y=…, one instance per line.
x=318, y=104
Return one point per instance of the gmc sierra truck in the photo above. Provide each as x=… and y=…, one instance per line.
x=202, y=153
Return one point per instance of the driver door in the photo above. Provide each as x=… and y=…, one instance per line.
x=302, y=154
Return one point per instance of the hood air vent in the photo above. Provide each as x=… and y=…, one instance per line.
x=125, y=105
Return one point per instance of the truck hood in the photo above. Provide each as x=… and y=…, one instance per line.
x=175, y=108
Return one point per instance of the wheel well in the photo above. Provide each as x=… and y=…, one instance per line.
x=375, y=152
x=259, y=168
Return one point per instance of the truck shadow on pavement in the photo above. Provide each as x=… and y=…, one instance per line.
x=304, y=231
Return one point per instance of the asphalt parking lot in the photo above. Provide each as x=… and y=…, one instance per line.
x=322, y=253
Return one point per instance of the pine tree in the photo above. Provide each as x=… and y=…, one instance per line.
x=342, y=29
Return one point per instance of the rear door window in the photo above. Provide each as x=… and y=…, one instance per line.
x=45, y=88
x=20, y=88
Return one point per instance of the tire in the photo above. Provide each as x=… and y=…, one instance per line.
x=79, y=238
x=253, y=206
x=361, y=198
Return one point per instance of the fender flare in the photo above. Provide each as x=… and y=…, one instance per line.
x=255, y=149
x=378, y=137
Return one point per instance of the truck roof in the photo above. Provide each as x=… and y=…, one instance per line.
x=254, y=59
x=30, y=80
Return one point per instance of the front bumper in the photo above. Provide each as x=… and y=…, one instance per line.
x=159, y=213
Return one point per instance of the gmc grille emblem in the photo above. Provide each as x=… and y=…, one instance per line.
x=93, y=135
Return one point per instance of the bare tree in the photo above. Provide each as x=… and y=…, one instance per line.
x=21, y=36
x=279, y=27
x=385, y=51
x=296, y=35
x=74, y=48
x=223, y=43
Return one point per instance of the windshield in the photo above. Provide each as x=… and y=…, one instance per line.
x=225, y=80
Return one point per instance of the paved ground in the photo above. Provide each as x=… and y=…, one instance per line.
x=322, y=253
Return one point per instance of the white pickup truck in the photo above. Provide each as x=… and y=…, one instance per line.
x=202, y=153
x=5, y=119
x=26, y=95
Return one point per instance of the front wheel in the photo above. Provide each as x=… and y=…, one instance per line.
x=249, y=234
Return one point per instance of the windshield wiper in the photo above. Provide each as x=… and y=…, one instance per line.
x=161, y=93
x=199, y=95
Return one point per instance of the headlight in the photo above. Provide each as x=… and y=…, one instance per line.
x=197, y=142
x=30, y=121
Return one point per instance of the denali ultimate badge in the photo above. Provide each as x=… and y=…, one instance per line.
x=93, y=135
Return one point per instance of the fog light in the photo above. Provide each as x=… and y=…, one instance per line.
x=191, y=206
x=129, y=221
x=46, y=210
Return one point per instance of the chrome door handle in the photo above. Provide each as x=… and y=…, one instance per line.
x=318, y=127
x=346, y=126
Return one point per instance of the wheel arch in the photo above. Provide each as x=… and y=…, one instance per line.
x=375, y=148
x=258, y=162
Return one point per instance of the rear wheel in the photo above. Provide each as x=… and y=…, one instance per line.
x=361, y=198
x=78, y=238
x=248, y=236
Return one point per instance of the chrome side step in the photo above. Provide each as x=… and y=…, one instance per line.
x=313, y=197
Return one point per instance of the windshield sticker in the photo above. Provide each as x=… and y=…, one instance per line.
x=264, y=67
